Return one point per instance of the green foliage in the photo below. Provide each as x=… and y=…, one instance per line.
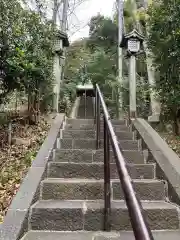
x=164, y=38
x=77, y=56
x=94, y=59
x=26, y=50
x=67, y=95
x=129, y=15
x=102, y=67
x=103, y=33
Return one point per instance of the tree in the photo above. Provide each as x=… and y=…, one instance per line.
x=164, y=38
x=26, y=50
x=103, y=33
x=102, y=68
x=77, y=55
x=95, y=59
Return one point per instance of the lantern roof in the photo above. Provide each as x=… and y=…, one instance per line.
x=85, y=87
x=64, y=37
x=132, y=35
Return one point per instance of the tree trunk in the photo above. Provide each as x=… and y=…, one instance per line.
x=176, y=122
x=9, y=132
x=155, y=104
x=36, y=102
x=175, y=126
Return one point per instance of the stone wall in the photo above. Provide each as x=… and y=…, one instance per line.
x=168, y=162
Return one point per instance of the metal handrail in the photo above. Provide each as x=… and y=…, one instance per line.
x=139, y=224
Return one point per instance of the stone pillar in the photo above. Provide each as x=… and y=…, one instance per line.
x=132, y=86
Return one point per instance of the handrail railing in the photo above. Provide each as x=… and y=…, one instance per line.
x=140, y=227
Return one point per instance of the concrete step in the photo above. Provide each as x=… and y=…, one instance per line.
x=90, y=156
x=48, y=235
x=91, y=189
x=69, y=143
x=89, y=126
x=85, y=113
x=57, y=215
x=96, y=170
x=131, y=156
x=88, y=134
x=91, y=121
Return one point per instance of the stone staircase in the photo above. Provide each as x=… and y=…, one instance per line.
x=71, y=204
x=86, y=108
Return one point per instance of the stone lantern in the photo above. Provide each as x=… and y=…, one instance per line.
x=60, y=42
x=133, y=43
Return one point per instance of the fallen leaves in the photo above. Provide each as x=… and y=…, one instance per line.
x=172, y=141
x=16, y=159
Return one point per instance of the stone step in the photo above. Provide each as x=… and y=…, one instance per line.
x=86, y=114
x=96, y=170
x=68, y=143
x=131, y=156
x=91, y=189
x=89, y=134
x=91, y=121
x=57, y=215
x=83, y=235
x=90, y=156
x=78, y=126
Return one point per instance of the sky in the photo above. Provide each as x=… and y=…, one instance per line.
x=78, y=21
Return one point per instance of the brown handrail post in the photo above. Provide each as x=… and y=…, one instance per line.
x=107, y=180
x=95, y=113
x=97, y=121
